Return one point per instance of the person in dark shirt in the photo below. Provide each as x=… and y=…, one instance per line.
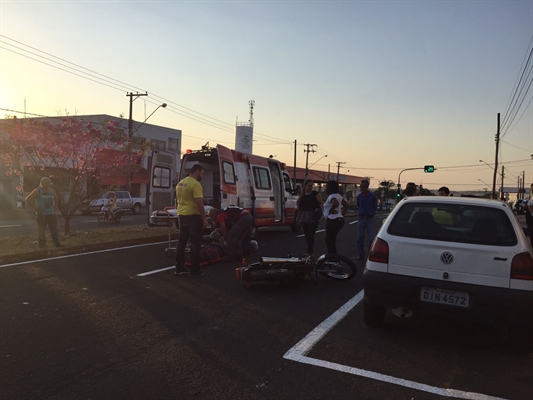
x=529, y=220
x=368, y=204
x=310, y=212
x=234, y=225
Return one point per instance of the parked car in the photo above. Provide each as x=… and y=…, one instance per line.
x=453, y=257
x=124, y=201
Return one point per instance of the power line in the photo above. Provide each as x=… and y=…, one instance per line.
x=517, y=98
x=105, y=80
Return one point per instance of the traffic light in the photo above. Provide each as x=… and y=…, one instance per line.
x=398, y=193
x=429, y=168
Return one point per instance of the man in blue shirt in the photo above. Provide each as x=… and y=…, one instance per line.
x=44, y=201
x=368, y=204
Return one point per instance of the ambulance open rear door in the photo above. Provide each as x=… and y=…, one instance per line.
x=161, y=188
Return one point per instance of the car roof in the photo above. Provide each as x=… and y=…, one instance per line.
x=474, y=201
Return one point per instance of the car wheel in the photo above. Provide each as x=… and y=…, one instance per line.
x=374, y=315
x=136, y=209
x=520, y=339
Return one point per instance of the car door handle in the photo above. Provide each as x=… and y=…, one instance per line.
x=272, y=198
x=500, y=259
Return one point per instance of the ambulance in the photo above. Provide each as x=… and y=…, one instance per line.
x=258, y=184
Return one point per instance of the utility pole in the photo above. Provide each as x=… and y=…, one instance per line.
x=130, y=120
x=294, y=174
x=496, y=160
x=503, y=174
x=130, y=131
x=307, y=156
x=523, y=185
x=339, y=168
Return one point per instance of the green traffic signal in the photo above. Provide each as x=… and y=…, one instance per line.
x=429, y=168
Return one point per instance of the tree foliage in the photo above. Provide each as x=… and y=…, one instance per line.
x=389, y=187
x=73, y=153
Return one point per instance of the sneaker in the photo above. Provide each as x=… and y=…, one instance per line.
x=199, y=273
x=182, y=271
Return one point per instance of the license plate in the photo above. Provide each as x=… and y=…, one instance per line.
x=440, y=296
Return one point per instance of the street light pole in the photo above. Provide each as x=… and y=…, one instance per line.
x=164, y=105
x=495, y=173
x=130, y=120
x=318, y=160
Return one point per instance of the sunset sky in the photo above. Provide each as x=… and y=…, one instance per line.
x=378, y=85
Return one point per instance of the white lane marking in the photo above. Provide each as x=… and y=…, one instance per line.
x=155, y=271
x=320, y=230
x=8, y=226
x=300, y=350
x=80, y=254
x=353, y=222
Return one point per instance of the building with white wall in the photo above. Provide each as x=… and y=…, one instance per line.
x=159, y=137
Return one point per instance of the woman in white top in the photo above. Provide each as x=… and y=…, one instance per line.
x=335, y=208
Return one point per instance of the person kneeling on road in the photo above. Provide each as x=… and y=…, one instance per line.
x=234, y=225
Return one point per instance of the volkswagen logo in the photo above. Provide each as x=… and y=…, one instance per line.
x=446, y=257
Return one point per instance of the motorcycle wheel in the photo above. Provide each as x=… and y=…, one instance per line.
x=336, y=267
x=101, y=217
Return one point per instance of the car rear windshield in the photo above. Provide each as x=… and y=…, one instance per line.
x=454, y=223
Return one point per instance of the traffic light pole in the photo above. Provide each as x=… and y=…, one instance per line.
x=426, y=168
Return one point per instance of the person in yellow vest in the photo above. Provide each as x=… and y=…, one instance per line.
x=192, y=220
x=440, y=216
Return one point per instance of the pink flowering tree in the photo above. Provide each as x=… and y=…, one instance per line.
x=71, y=153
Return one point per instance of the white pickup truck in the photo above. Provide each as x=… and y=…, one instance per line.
x=124, y=201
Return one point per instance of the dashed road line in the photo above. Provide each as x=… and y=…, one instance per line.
x=299, y=353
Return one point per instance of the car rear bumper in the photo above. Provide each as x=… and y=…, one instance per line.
x=486, y=304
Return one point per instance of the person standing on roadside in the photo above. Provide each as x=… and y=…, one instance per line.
x=335, y=208
x=528, y=209
x=367, y=204
x=309, y=205
x=410, y=190
x=192, y=220
x=44, y=201
x=444, y=191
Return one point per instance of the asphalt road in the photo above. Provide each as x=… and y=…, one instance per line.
x=118, y=324
x=26, y=225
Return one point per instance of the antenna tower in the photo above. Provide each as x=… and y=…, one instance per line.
x=252, y=104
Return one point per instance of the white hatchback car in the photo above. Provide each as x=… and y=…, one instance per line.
x=454, y=256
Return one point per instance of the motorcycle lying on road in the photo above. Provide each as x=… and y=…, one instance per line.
x=280, y=269
x=105, y=215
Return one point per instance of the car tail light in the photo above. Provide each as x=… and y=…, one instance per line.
x=522, y=267
x=379, y=252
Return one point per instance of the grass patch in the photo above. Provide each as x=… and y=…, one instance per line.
x=28, y=243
